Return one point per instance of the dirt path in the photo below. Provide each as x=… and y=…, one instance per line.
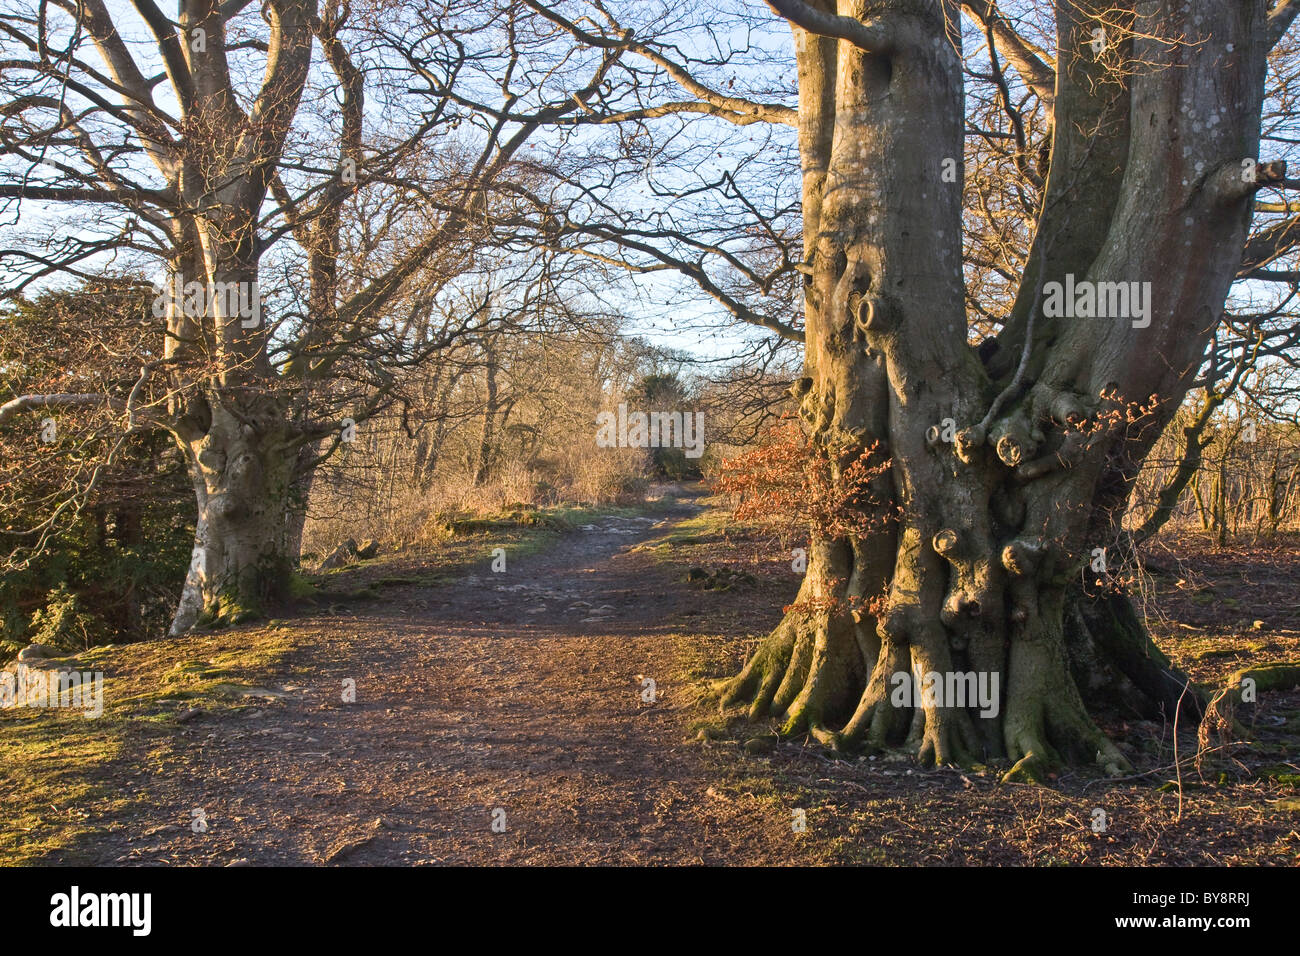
x=518, y=692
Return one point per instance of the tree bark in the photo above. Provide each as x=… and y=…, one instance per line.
x=1000, y=562
x=487, y=438
x=242, y=475
x=300, y=500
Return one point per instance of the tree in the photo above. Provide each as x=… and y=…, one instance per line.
x=208, y=144
x=1015, y=381
x=1113, y=162
x=95, y=531
x=996, y=562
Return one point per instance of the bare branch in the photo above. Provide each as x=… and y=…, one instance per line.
x=870, y=35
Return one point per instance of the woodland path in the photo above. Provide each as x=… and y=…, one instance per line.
x=519, y=690
x=522, y=691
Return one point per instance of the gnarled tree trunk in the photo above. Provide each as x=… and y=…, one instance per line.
x=992, y=565
x=242, y=471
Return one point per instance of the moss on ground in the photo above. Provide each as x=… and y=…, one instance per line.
x=58, y=767
x=708, y=526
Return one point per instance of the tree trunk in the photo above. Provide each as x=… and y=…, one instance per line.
x=242, y=473
x=299, y=501
x=997, y=570
x=1200, y=504
x=487, y=439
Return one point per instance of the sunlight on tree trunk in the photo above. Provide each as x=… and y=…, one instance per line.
x=997, y=562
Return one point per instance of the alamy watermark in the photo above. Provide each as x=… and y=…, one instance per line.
x=625, y=429
x=241, y=300
x=38, y=687
x=129, y=910
x=951, y=689
x=1098, y=300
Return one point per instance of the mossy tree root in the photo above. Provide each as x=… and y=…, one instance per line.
x=1047, y=724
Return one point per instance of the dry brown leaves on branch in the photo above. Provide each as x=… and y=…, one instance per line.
x=792, y=484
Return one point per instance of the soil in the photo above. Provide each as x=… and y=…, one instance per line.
x=507, y=717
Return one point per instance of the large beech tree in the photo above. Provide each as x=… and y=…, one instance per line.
x=182, y=163
x=1119, y=145
x=988, y=565
x=204, y=138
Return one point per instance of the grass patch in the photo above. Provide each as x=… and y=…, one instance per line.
x=57, y=765
x=707, y=527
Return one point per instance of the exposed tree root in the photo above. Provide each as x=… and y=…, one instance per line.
x=1115, y=662
x=810, y=675
x=763, y=673
x=876, y=721
x=947, y=737
x=806, y=674
x=1046, y=722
